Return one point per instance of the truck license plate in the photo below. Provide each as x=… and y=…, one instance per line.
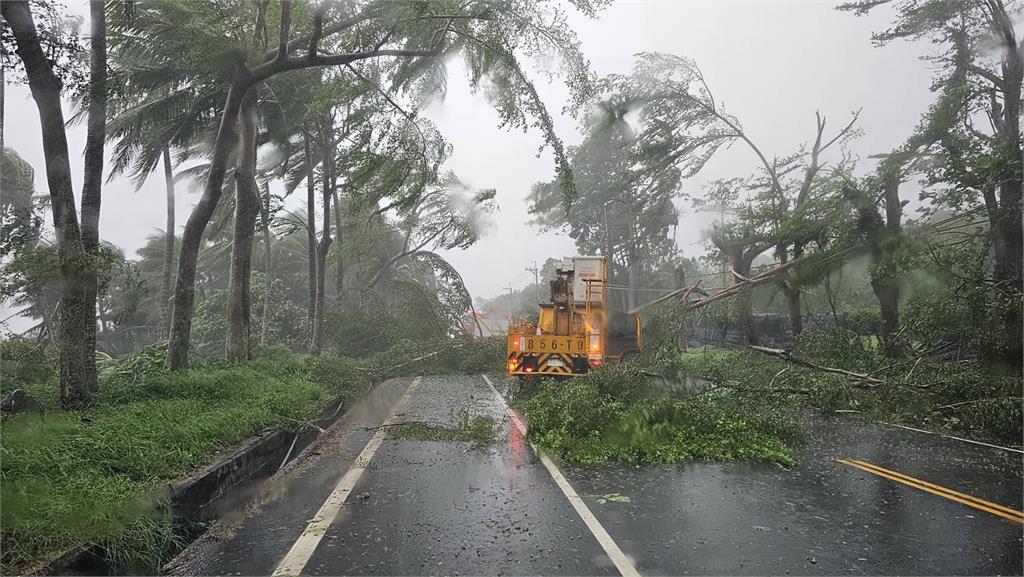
x=554, y=362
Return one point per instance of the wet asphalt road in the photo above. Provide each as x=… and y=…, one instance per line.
x=445, y=508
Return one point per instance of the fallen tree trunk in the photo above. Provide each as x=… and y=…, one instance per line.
x=744, y=283
x=685, y=293
x=859, y=379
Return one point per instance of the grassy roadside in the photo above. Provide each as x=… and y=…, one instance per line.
x=101, y=476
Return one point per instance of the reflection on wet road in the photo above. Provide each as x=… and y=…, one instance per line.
x=864, y=499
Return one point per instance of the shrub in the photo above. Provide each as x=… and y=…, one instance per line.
x=839, y=348
x=862, y=321
x=24, y=365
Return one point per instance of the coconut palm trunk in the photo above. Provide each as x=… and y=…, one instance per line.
x=267, y=270
x=165, y=284
x=77, y=310
x=247, y=208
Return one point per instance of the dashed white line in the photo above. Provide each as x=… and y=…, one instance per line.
x=295, y=560
x=611, y=548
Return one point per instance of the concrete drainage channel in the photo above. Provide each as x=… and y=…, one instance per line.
x=219, y=486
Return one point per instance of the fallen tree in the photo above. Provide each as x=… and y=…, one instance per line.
x=859, y=379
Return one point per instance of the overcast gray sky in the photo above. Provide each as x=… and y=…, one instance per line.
x=771, y=63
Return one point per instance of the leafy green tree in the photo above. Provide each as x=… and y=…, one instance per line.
x=447, y=216
x=624, y=210
x=970, y=136
x=681, y=125
x=421, y=35
x=19, y=223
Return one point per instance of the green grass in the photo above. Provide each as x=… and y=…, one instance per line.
x=611, y=414
x=101, y=476
x=480, y=430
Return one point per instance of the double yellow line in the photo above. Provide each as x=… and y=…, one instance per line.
x=969, y=500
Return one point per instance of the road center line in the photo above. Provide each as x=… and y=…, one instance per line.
x=622, y=562
x=295, y=560
x=964, y=499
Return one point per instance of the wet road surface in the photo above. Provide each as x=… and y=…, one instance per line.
x=446, y=508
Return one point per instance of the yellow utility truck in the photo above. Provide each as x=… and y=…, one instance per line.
x=575, y=330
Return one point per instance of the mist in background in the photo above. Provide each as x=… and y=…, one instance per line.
x=772, y=64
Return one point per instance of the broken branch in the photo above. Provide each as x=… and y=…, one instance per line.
x=859, y=379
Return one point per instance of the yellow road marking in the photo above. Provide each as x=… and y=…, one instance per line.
x=943, y=489
x=969, y=500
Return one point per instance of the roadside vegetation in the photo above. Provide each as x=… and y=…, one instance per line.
x=613, y=414
x=313, y=262
x=967, y=399
x=101, y=475
x=724, y=404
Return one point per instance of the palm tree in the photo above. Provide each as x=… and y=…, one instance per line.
x=77, y=242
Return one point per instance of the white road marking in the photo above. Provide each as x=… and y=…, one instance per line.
x=295, y=560
x=622, y=562
x=951, y=437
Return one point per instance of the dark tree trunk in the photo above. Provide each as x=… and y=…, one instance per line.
x=683, y=333
x=1008, y=229
x=247, y=208
x=883, y=283
x=165, y=285
x=267, y=271
x=793, y=298
x=888, y=293
x=311, y=244
x=1008, y=130
x=92, y=185
x=741, y=263
x=339, y=272
x=77, y=376
x=192, y=236
x=796, y=320
x=316, y=343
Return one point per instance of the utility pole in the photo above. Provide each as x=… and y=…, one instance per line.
x=536, y=278
x=509, y=308
x=607, y=237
